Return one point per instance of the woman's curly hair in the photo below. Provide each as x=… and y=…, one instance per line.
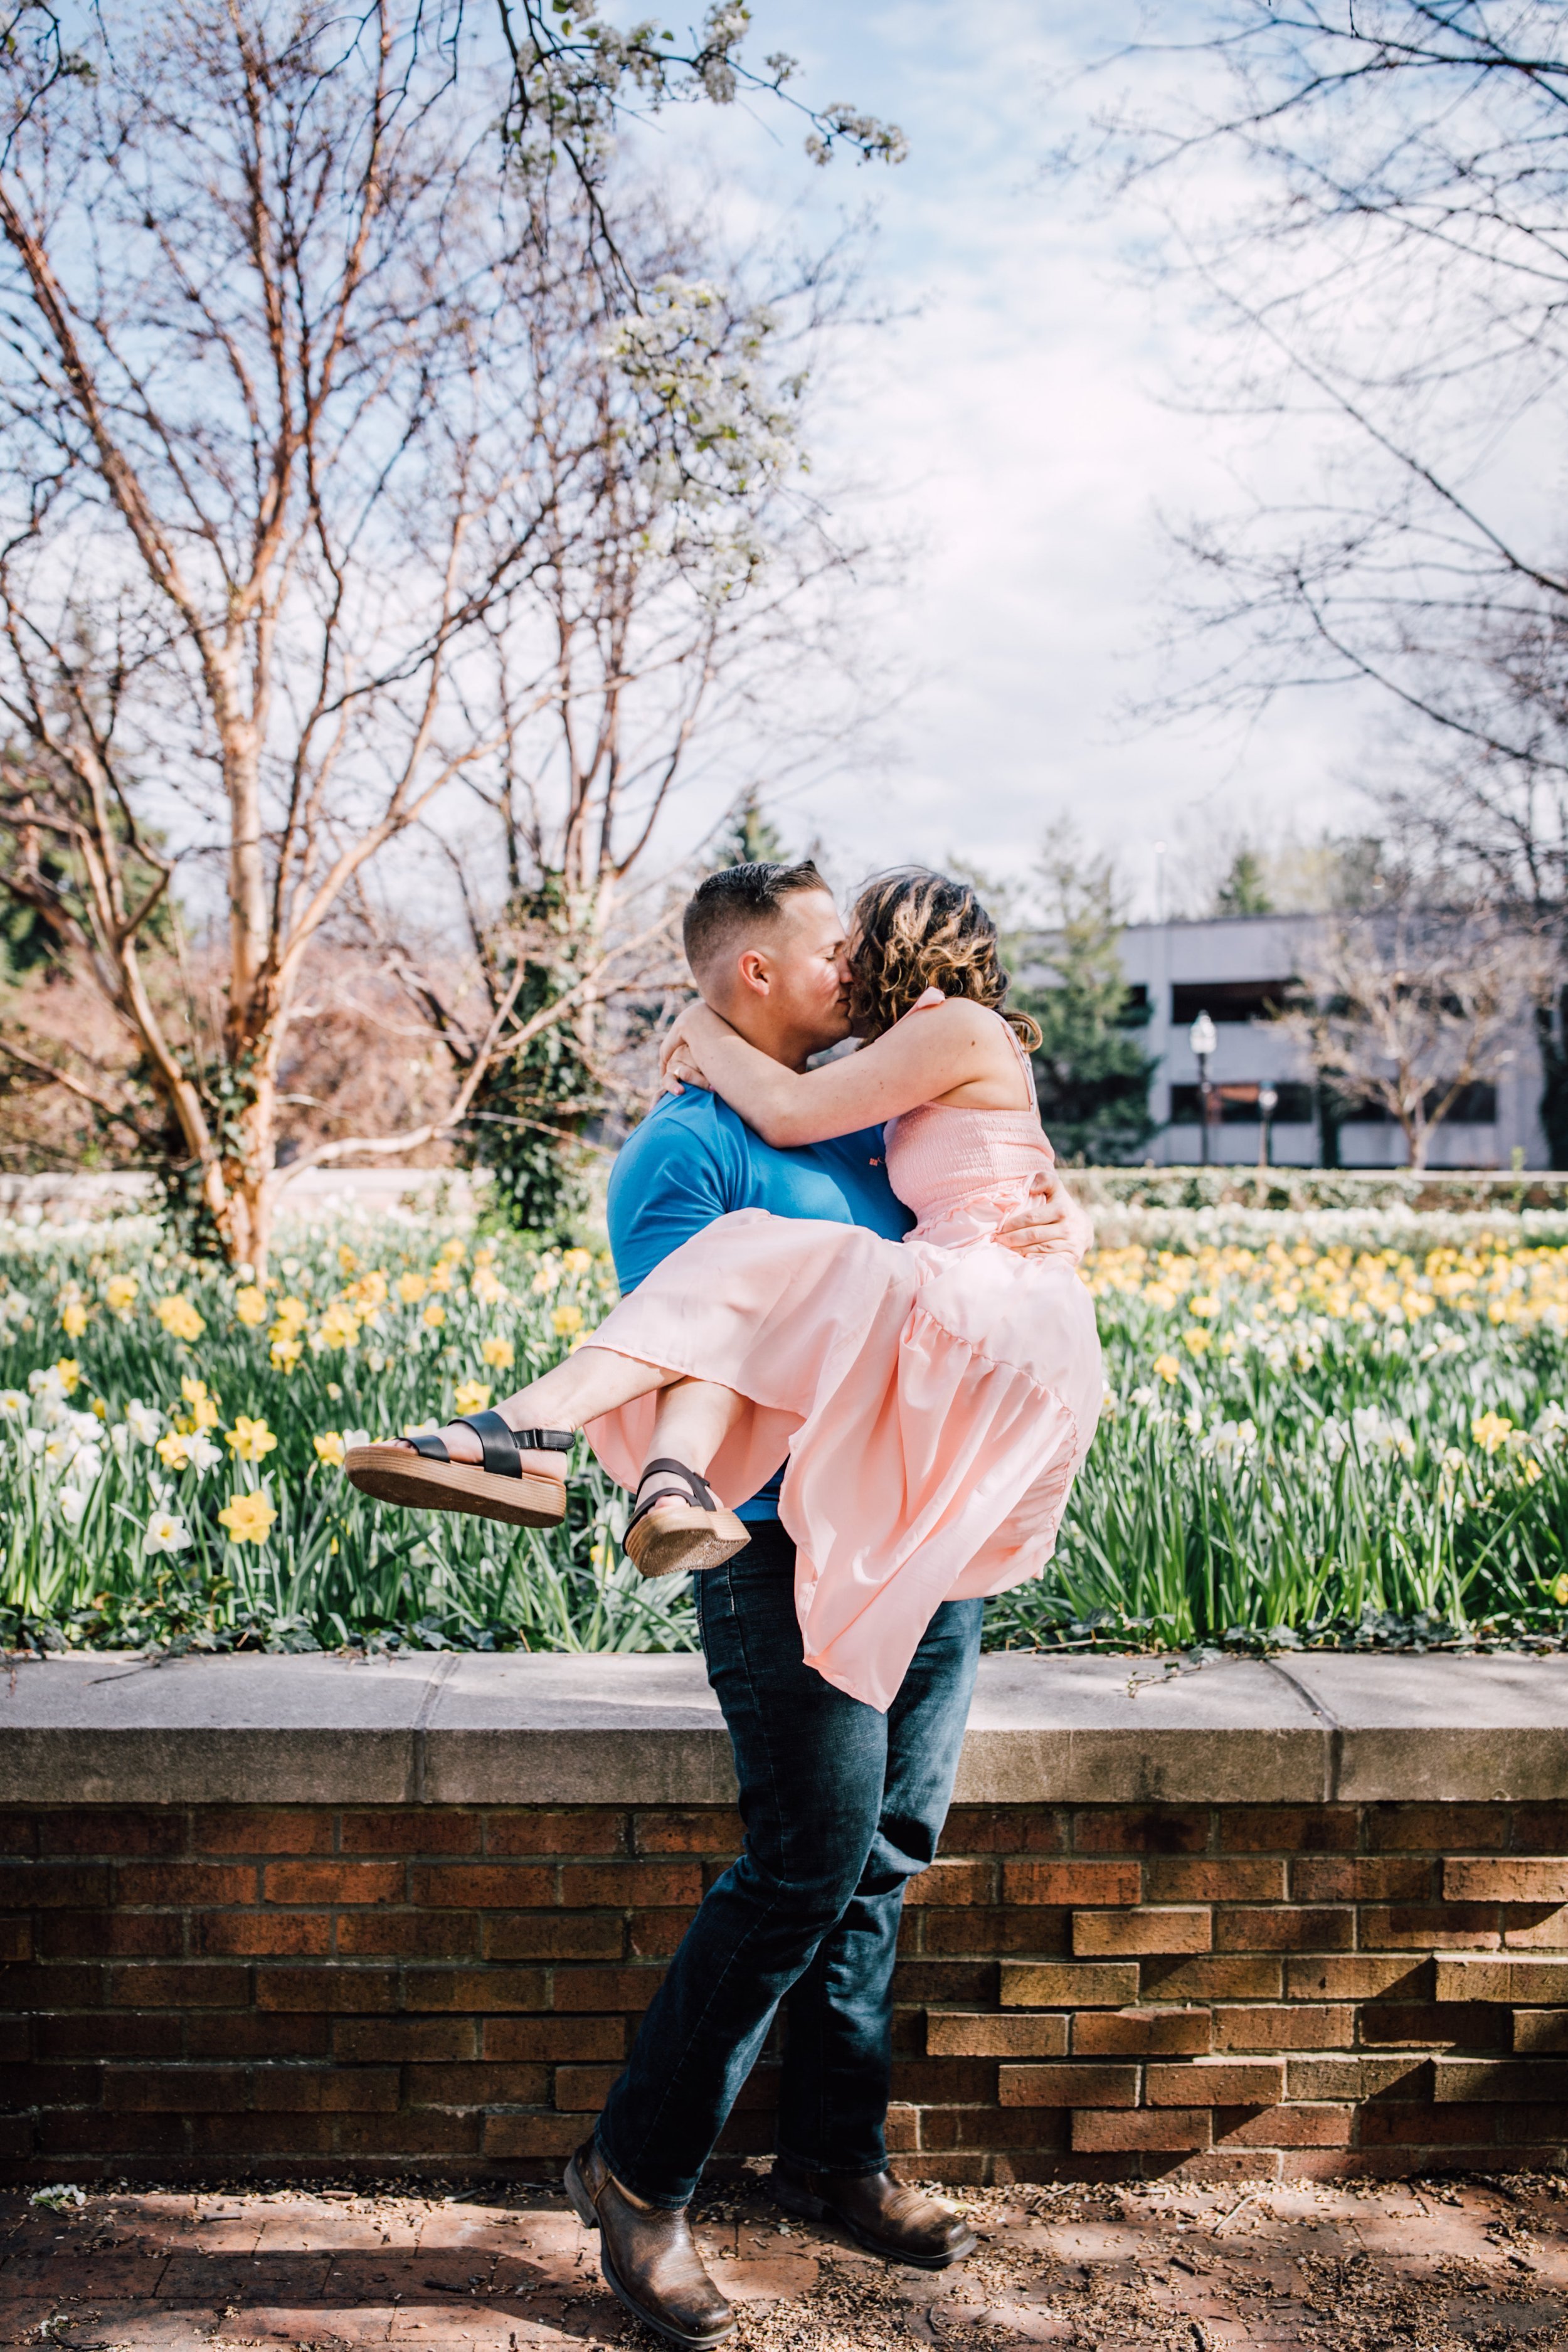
x=914, y=930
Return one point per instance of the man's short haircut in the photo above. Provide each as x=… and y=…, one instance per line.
x=737, y=899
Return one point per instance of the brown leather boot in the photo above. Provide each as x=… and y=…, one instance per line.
x=647, y=2256
x=878, y=2212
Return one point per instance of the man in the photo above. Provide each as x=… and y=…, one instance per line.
x=841, y=1805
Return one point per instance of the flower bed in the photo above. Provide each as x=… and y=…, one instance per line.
x=1318, y=1429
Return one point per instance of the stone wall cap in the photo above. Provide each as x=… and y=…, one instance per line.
x=470, y=1728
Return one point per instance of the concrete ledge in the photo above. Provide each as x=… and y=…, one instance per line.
x=467, y=1729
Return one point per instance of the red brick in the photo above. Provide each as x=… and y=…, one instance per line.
x=1364, y=1878
x=111, y=1935
x=971, y=1984
x=1004, y=1829
x=1111, y=1934
x=1166, y=2130
x=28, y=2085
x=43, y=1885
x=330, y=1989
x=1071, y=1883
x=624, y=1886
x=1462, y=1926
x=357, y=2039
x=1070, y=1984
x=945, y=2081
x=553, y=2039
x=583, y=2090
x=333, y=1882
x=220, y=2035
x=1396, y=2123
x=1533, y=1930
x=650, y=1936
x=1465, y=2025
x=378, y=1932
x=110, y=1830
x=717, y=1829
x=1141, y=1829
x=1372, y=1976
x=1066, y=2085
x=19, y=1832
x=1141, y=2032
x=593, y=1988
x=184, y=1884
x=1286, y=1828
x=1027, y=1933
x=16, y=1937
x=954, y=1883
x=251, y=2136
x=1531, y=2080
x=1436, y=1829
x=261, y=1829
x=475, y=1988
x=1227, y=1978
x=994, y=2128
x=28, y=1986
x=1541, y=1828
x=1215, y=2083
x=1301, y=2025
x=325, y=2090
x=1283, y=1929
x=180, y=1984
x=1184, y=1878
x=1544, y=2030
x=535, y=2136
x=482, y=1887
x=477, y=2087
x=77, y=2134
x=271, y=1934
x=1304, y=2127
x=431, y=2132
x=1512, y=1878
x=964, y=2034
x=177, y=2090
x=92, y=2034
x=411, y=1829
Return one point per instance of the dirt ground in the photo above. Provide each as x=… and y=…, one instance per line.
x=1420, y=2265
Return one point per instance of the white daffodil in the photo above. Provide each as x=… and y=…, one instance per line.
x=85, y=1467
x=73, y=1504
x=13, y=1405
x=60, y=1445
x=352, y=1437
x=145, y=1425
x=201, y=1454
x=166, y=1533
x=47, y=1382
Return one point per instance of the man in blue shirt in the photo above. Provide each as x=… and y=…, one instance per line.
x=841, y=1805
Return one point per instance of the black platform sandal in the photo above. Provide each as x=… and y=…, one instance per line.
x=497, y=1487
x=690, y=1536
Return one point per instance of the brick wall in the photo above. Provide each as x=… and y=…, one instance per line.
x=1102, y=1990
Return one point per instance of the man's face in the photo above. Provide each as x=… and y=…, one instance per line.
x=786, y=991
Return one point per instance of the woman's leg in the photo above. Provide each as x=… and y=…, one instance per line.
x=692, y=1420
x=693, y=1416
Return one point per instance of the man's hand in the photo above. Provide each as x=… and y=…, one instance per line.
x=1050, y=1223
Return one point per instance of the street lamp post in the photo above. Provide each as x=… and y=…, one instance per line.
x=1202, y=1040
x=1268, y=1104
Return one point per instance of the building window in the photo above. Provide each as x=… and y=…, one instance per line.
x=1238, y=1104
x=1228, y=1000
x=1474, y=1106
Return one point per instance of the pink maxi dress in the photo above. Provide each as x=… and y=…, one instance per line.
x=935, y=1396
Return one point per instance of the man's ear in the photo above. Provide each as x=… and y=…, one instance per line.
x=751, y=972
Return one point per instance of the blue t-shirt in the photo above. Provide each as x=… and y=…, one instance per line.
x=693, y=1159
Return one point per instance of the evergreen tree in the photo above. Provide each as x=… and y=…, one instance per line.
x=1090, y=1071
x=1245, y=890
x=532, y=1108
x=751, y=837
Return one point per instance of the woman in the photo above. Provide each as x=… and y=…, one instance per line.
x=934, y=1396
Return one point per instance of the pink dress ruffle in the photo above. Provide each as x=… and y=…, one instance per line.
x=935, y=1396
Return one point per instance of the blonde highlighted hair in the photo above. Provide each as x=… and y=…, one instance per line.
x=914, y=930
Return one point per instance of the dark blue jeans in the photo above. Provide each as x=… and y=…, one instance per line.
x=841, y=1807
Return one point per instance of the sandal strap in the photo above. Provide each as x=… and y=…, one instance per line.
x=433, y=1448
x=700, y=1493
x=501, y=1445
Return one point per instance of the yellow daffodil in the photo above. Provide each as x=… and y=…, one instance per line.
x=499, y=1354
x=329, y=1448
x=73, y=1319
x=347, y=1261
x=577, y=1261
x=339, y=1327
x=1196, y=1340
x=248, y=1518
x=179, y=1318
x=69, y=1373
x=250, y=1305
x=473, y=1396
x=411, y=1288
x=453, y=1252
x=1167, y=1367
x=249, y=1441
x=567, y=1318
x=435, y=1315
x=1490, y=1430
x=120, y=1293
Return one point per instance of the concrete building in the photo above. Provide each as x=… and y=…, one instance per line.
x=1235, y=968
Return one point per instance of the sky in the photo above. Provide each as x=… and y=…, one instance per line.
x=1021, y=418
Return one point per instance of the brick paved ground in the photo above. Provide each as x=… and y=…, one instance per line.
x=1424, y=2265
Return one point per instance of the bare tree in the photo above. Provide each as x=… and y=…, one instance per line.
x=1406, y=1009
x=308, y=426
x=1391, y=265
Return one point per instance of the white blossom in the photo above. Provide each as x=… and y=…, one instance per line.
x=166, y=1533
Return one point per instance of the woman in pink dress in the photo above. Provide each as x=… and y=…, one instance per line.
x=934, y=1396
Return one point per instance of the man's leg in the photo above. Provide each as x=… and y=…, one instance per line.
x=812, y=1765
x=833, y=2099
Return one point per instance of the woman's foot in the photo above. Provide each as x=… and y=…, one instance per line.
x=463, y=1445
x=678, y=1523
x=484, y=1472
